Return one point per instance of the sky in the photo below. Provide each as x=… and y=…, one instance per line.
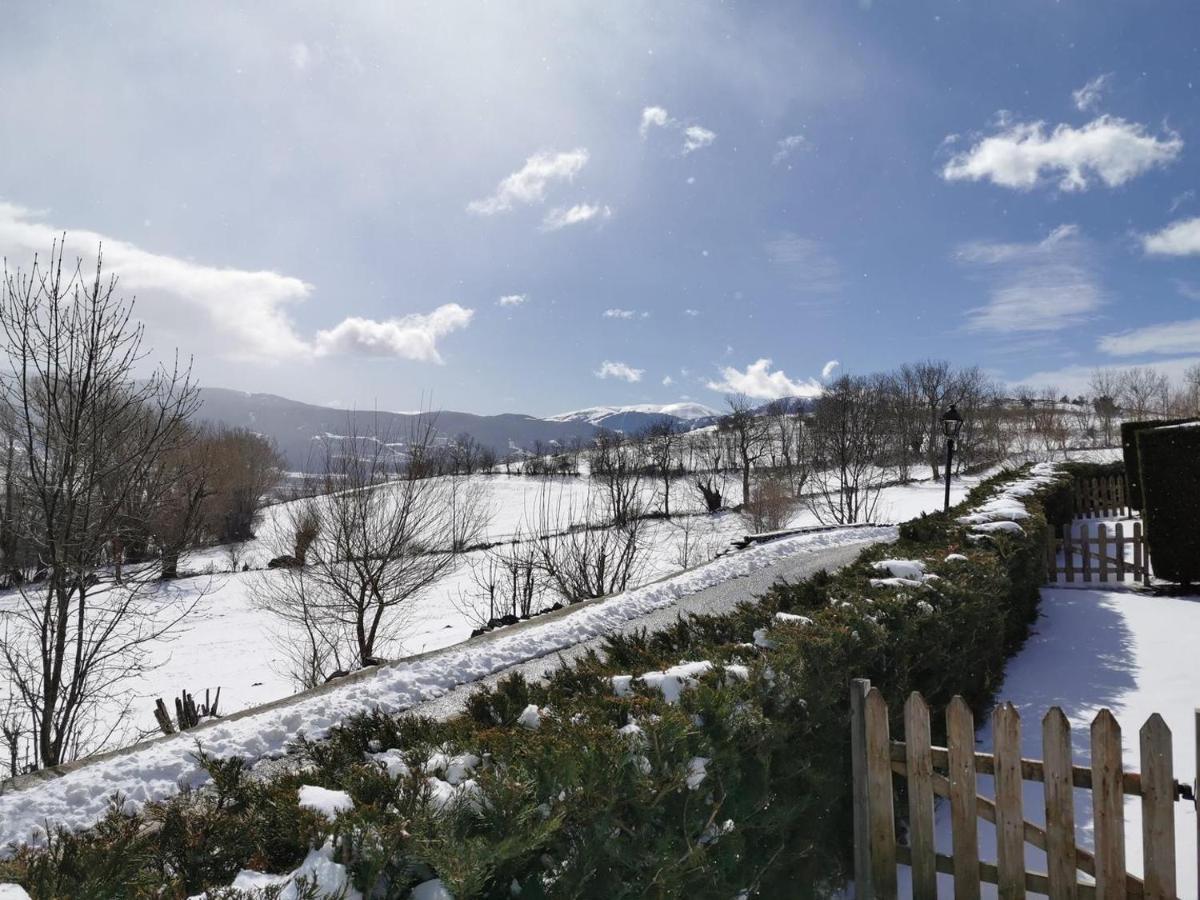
x=541, y=206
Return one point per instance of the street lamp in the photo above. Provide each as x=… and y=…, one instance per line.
x=951, y=426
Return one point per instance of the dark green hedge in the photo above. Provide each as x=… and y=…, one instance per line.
x=577, y=809
x=1170, y=480
x=1129, y=449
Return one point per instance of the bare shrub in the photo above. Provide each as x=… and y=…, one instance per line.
x=771, y=505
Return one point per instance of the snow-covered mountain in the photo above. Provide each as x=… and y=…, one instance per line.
x=637, y=416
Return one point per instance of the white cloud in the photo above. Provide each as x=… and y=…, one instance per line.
x=1088, y=97
x=827, y=369
x=1075, y=380
x=653, y=116
x=512, y=300
x=619, y=313
x=562, y=216
x=785, y=147
x=696, y=137
x=1180, y=238
x=807, y=264
x=1179, y=199
x=610, y=369
x=691, y=312
x=233, y=313
x=528, y=184
x=412, y=337
x=300, y=56
x=1021, y=155
x=1039, y=287
x=760, y=383
x=667, y=381
x=1168, y=337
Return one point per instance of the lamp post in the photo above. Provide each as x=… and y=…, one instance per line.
x=951, y=426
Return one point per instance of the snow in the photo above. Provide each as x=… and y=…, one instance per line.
x=792, y=619
x=531, y=717
x=673, y=681
x=324, y=801
x=1128, y=651
x=13, y=892
x=697, y=771
x=155, y=771
x=318, y=869
x=431, y=890
x=901, y=568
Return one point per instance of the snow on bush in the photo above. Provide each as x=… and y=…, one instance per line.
x=697, y=771
x=12, y=892
x=672, y=682
x=792, y=619
x=531, y=717
x=956, y=557
x=1007, y=505
x=901, y=568
x=392, y=761
x=433, y=889
x=324, y=801
x=318, y=872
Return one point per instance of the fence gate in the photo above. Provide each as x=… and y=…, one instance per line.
x=1081, y=556
x=951, y=771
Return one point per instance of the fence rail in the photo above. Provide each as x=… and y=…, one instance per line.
x=1078, y=554
x=950, y=772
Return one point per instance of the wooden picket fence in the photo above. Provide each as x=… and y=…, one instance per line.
x=951, y=772
x=1087, y=557
x=1101, y=497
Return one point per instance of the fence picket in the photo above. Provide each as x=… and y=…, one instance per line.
x=858, y=757
x=1120, y=552
x=879, y=786
x=1068, y=554
x=919, y=760
x=1138, y=565
x=1010, y=818
x=1102, y=549
x=960, y=729
x=1108, y=804
x=1086, y=546
x=1060, y=805
x=1158, y=809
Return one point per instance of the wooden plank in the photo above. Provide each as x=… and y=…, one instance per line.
x=919, y=761
x=1068, y=553
x=1010, y=817
x=1137, y=550
x=1035, y=882
x=879, y=787
x=1102, y=549
x=1060, y=805
x=858, y=756
x=960, y=730
x=1158, y=809
x=1108, y=806
x=1086, y=546
x=1120, y=552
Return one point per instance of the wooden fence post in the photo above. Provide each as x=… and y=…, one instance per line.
x=1085, y=543
x=919, y=761
x=960, y=729
x=1158, y=809
x=1108, y=804
x=1138, y=564
x=1068, y=553
x=1102, y=549
x=879, y=787
x=858, y=752
x=1060, y=805
x=1120, y=552
x=1010, y=817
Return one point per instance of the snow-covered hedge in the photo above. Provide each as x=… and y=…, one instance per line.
x=706, y=760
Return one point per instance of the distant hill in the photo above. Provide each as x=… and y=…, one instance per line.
x=297, y=428
x=631, y=419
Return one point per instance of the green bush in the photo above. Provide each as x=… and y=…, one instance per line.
x=1129, y=449
x=1170, y=479
x=576, y=807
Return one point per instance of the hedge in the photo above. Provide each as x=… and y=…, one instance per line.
x=596, y=802
x=1170, y=477
x=1129, y=449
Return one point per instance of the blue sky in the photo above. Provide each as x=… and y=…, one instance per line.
x=331, y=203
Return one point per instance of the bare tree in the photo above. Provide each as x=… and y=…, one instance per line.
x=848, y=436
x=1144, y=392
x=661, y=442
x=771, y=504
x=87, y=437
x=747, y=435
x=1105, y=386
x=383, y=536
x=616, y=471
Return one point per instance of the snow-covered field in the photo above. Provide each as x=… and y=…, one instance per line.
x=1094, y=648
x=79, y=797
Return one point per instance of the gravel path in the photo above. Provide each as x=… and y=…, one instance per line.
x=717, y=599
